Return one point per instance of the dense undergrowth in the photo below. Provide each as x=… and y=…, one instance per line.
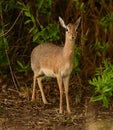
x=23, y=25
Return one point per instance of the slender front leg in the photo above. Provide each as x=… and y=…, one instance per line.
x=59, y=80
x=34, y=87
x=66, y=86
x=41, y=90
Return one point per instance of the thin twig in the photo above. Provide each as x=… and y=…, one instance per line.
x=12, y=75
x=15, y=91
x=4, y=34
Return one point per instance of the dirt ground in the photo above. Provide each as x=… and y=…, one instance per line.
x=17, y=112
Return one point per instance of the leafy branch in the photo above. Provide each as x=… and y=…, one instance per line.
x=103, y=84
x=42, y=34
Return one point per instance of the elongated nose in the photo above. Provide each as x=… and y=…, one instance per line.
x=73, y=37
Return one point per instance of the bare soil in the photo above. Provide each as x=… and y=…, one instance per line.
x=17, y=112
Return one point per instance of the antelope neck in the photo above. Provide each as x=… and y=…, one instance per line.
x=69, y=48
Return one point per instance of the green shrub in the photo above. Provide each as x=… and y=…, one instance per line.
x=99, y=48
x=42, y=33
x=22, y=67
x=44, y=7
x=106, y=22
x=103, y=84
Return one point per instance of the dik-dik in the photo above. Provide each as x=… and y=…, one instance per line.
x=54, y=61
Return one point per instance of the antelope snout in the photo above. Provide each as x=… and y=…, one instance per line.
x=72, y=38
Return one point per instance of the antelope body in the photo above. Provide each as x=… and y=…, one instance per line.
x=50, y=60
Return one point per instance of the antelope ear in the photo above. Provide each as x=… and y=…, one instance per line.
x=77, y=23
x=62, y=23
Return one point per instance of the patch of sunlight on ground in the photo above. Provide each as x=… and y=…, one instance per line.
x=103, y=124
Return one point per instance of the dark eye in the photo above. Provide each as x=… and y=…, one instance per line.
x=66, y=29
x=76, y=30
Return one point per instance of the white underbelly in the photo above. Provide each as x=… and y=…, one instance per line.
x=48, y=72
x=64, y=71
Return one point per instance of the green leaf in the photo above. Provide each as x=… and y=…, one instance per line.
x=40, y=3
x=98, y=54
x=106, y=89
x=105, y=101
x=110, y=25
x=33, y=19
x=105, y=47
x=32, y=29
x=27, y=14
x=35, y=37
x=97, y=98
x=28, y=21
x=20, y=64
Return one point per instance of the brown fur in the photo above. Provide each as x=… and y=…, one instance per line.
x=54, y=61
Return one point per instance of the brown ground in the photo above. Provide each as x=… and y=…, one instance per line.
x=17, y=112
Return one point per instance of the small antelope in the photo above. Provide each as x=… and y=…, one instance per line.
x=54, y=61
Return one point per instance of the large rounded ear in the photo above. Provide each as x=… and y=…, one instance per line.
x=77, y=23
x=62, y=23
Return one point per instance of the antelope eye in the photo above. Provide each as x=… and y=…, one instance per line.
x=66, y=29
x=76, y=31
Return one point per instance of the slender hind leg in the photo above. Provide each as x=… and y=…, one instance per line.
x=41, y=90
